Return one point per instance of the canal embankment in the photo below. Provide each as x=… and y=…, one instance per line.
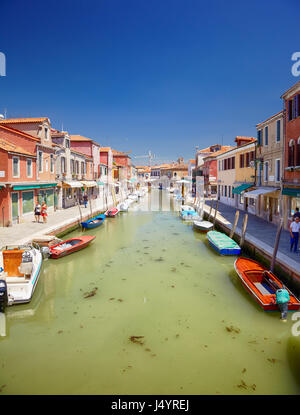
x=259, y=242
x=59, y=222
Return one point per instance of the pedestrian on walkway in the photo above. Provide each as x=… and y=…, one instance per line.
x=85, y=200
x=44, y=211
x=294, y=231
x=282, y=301
x=296, y=214
x=37, y=212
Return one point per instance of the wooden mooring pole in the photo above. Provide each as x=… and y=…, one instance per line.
x=210, y=210
x=245, y=221
x=237, y=214
x=216, y=210
x=79, y=210
x=279, y=229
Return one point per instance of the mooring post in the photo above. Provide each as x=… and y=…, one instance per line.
x=244, y=230
x=279, y=229
x=91, y=207
x=216, y=210
x=210, y=210
x=79, y=210
x=237, y=214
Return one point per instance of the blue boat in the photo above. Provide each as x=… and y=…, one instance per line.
x=223, y=244
x=94, y=222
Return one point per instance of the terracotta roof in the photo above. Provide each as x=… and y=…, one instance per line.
x=273, y=116
x=79, y=138
x=192, y=161
x=250, y=139
x=217, y=153
x=105, y=148
x=14, y=130
x=119, y=153
x=23, y=120
x=14, y=149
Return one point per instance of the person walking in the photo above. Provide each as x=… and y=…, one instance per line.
x=44, y=211
x=296, y=214
x=37, y=212
x=282, y=301
x=85, y=200
x=294, y=231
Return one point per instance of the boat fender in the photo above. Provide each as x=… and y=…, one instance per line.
x=3, y=296
x=1, y=269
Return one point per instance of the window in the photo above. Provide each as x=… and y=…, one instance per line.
x=278, y=127
x=77, y=167
x=67, y=143
x=63, y=165
x=29, y=167
x=82, y=168
x=16, y=167
x=225, y=191
x=241, y=160
x=229, y=190
x=290, y=109
x=298, y=152
x=266, y=136
x=27, y=202
x=51, y=163
x=266, y=171
x=232, y=194
x=247, y=159
x=222, y=190
x=233, y=162
x=72, y=166
x=46, y=165
x=259, y=137
x=40, y=161
x=46, y=133
x=277, y=170
x=291, y=153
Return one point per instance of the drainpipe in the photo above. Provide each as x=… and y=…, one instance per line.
x=283, y=166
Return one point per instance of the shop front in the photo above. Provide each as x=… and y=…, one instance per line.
x=291, y=201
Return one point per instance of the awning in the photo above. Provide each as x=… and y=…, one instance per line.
x=34, y=186
x=291, y=191
x=99, y=183
x=91, y=183
x=72, y=184
x=2, y=185
x=260, y=191
x=242, y=187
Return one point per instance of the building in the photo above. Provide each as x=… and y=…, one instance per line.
x=175, y=171
x=291, y=156
x=21, y=185
x=236, y=173
x=269, y=152
x=210, y=171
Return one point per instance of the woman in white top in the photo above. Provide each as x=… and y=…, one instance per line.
x=294, y=231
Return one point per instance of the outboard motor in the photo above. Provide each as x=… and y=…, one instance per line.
x=26, y=264
x=45, y=252
x=3, y=296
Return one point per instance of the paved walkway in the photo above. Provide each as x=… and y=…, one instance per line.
x=26, y=231
x=257, y=229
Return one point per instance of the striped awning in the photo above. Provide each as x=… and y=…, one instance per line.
x=242, y=187
x=72, y=184
x=90, y=183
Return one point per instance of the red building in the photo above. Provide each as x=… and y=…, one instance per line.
x=122, y=160
x=20, y=185
x=210, y=170
x=291, y=175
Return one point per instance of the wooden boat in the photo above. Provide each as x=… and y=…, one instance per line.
x=69, y=246
x=94, y=222
x=111, y=212
x=20, y=268
x=262, y=284
x=222, y=243
x=202, y=225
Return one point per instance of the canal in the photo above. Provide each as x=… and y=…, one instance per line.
x=147, y=274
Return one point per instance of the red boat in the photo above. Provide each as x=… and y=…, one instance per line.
x=69, y=246
x=111, y=212
x=262, y=284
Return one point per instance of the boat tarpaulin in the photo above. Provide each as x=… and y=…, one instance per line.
x=242, y=187
x=253, y=194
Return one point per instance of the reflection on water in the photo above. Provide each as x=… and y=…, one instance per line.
x=201, y=333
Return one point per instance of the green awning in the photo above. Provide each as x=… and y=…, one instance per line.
x=2, y=185
x=100, y=183
x=34, y=186
x=290, y=191
x=242, y=187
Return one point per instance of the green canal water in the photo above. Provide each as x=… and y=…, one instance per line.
x=156, y=278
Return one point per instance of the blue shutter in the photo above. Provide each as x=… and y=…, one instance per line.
x=258, y=137
x=278, y=130
x=266, y=136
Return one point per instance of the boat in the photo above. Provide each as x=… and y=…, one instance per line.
x=111, y=212
x=69, y=246
x=202, y=225
x=94, y=222
x=133, y=196
x=189, y=215
x=262, y=284
x=20, y=268
x=187, y=208
x=222, y=243
x=123, y=206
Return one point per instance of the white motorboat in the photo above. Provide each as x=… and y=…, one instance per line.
x=202, y=225
x=133, y=197
x=123, y=206
x=187, y=208
x=20, y=268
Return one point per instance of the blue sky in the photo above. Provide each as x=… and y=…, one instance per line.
x=159, y=75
